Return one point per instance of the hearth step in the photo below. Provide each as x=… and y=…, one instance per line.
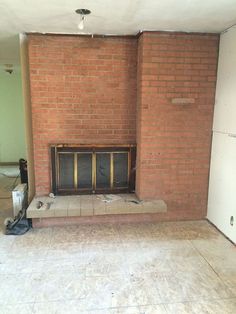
x=93, y=205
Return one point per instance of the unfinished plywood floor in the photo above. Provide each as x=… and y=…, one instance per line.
x=93, y=205
x=175, y=267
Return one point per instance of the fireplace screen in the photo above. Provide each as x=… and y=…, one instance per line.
x=94, y=170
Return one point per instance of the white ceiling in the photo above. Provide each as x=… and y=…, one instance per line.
x=117, y=17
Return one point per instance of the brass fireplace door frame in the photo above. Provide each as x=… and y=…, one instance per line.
x=75, y=151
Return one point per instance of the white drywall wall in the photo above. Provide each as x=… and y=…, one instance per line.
x=222, y=183
x=225, y=104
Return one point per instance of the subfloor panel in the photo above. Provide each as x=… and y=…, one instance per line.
x=144, y=268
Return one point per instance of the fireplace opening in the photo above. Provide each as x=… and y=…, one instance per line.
x=84, y=170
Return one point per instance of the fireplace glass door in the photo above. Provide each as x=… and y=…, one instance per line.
x=103, y=170
x=94, y=170
x=84, y=171
x=66, y=171
x=120, y=161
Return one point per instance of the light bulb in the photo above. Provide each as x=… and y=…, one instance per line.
x=81, y=23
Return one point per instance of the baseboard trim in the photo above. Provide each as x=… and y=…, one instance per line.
x=10, y=163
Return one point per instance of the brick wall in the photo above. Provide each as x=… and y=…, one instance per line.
x=176, y=89
x=83, y=90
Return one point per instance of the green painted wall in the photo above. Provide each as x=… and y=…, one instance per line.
x=12, y=132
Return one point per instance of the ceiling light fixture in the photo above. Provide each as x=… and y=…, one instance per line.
x=82, y=13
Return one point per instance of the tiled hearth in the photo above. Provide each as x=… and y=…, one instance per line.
x=92, y=205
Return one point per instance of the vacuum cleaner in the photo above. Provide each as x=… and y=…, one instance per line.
x=19, y=225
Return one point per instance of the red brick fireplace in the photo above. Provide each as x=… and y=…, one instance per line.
x=155, y=90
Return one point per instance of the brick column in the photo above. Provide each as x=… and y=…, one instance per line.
x=176, y=89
